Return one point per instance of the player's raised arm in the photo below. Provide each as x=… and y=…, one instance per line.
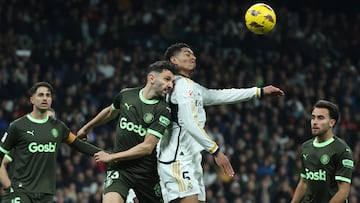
x=104, y=116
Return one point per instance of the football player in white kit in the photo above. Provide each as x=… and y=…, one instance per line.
x=179, y=155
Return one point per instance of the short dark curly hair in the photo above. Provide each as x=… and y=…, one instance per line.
x=33, y=89
x=333, y=108
x=159, y=66
x=174, y=49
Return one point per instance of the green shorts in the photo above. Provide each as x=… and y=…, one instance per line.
x=146, y=189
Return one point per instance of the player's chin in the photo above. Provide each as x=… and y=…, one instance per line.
x=166, y=91
x=163, y=94
x=315, y=131
x=44, y=107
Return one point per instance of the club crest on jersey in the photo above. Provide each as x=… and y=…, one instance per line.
x=54, y=132
x=148, y=117
x=325, y=159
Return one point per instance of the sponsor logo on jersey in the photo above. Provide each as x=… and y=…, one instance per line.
x=128, y=106
x=305, y=156
x=315, y=175
x=169, y=109
x=131, y=127
x=31, y=132
x=164, y=121
x=324, y=159
x=347, y=163
x=148, y=117
x=37, y=147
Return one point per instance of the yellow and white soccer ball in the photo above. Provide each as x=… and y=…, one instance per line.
x=260, y=18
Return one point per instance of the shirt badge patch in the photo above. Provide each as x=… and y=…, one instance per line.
x=164, y=121
x=348, y=163
x=325, y=159
x=54, y=132
x=148, y=117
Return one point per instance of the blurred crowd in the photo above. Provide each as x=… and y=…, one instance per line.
x=90, y=49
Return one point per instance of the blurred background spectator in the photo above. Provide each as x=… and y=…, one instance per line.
x=90, y=49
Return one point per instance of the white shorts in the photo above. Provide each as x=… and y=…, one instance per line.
x=131, y=196
x=182, y=178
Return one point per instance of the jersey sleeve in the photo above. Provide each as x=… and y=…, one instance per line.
x=9, y=139
x=188, y=116
x=162, y=120
x=67, y=136
x=302, y=170
x=117, y=100
x=229, y=96
x=345, y=166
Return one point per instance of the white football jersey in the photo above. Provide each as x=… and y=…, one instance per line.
x=187, y=135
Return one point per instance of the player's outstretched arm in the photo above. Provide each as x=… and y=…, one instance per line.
x=104, y=116
x=139, y=150
x=224, y=164
x=272, y=91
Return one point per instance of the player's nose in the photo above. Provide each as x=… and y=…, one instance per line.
x=171, y=85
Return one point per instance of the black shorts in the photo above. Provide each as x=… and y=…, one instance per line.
x=147, y=189
x=20, y=196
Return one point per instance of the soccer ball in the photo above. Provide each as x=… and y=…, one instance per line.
x=260, y=18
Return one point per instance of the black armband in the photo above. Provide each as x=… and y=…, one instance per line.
x=85, y=147
x=216, y=152
x=261, y=92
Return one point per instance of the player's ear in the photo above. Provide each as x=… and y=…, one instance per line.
x=151, y=78
x=173, y=59
x=32, y=100
x=332, y=122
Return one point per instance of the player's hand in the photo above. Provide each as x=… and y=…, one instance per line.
x=272, y=91
x=224, y=164
x=82, y=134
x=102, y=156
